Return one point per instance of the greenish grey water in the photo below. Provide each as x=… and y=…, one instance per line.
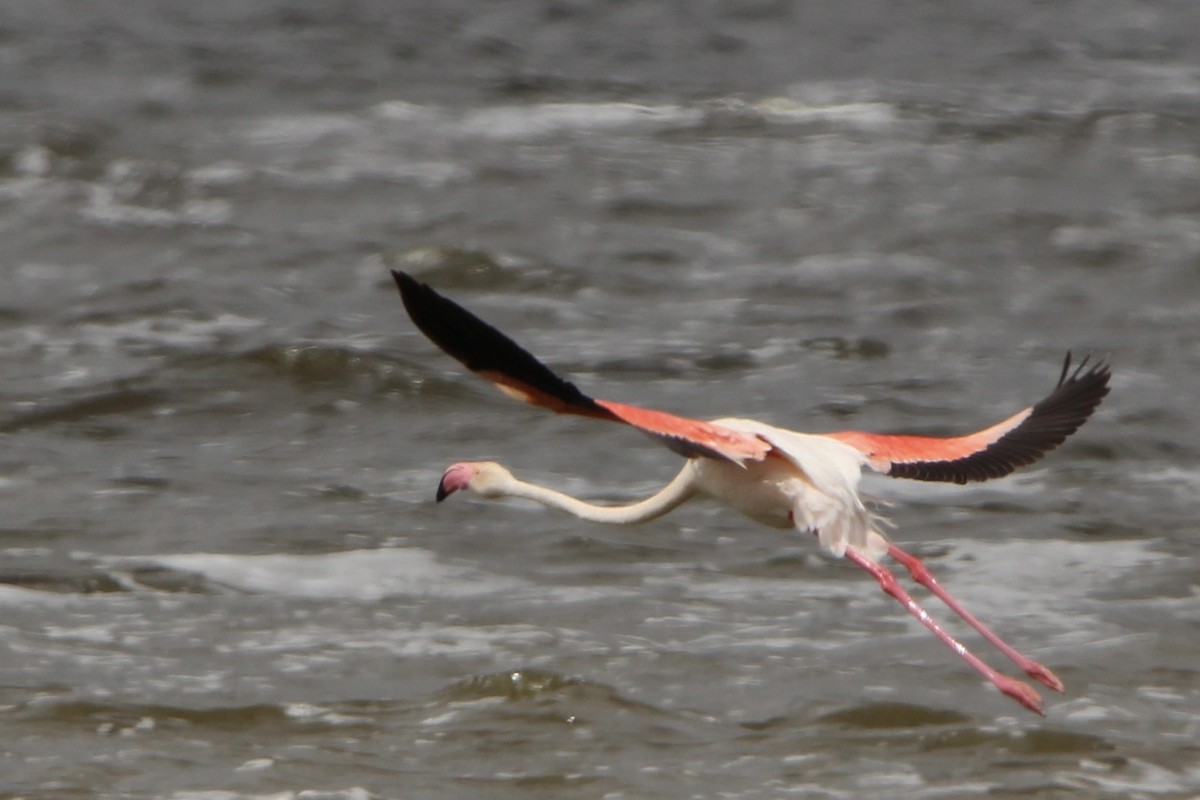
x=222, y=573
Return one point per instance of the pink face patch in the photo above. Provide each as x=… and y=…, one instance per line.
x=457, y=476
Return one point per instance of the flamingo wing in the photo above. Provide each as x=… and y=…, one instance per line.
x=996, y=451
x=483, y=349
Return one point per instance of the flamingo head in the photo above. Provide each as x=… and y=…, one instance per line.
x=485, y=477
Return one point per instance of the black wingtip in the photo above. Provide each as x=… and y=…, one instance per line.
x=1061, y=378
x=409, y=288
x=447, y=324
x=482, y=348
x=1052, y=420
x=1099, y=374
x=405, y=281
x=1074, y=399
x=1083, y=388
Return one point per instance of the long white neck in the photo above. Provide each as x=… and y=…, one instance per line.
x=670, y=497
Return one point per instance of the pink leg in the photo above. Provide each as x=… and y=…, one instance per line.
x=1023, y=693
x=922, y=576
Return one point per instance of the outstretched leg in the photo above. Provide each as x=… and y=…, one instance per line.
x=1023, y=693
x=921, y=575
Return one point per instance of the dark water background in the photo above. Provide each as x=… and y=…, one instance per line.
x=222, y=574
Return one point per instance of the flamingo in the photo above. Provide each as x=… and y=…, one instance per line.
x=778, y=477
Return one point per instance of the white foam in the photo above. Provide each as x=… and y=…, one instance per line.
x=363, y=575
x=521, y=122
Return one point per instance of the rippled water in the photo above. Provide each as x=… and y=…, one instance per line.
x=222, y=573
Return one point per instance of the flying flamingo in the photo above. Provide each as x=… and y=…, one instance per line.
x=778, y=477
